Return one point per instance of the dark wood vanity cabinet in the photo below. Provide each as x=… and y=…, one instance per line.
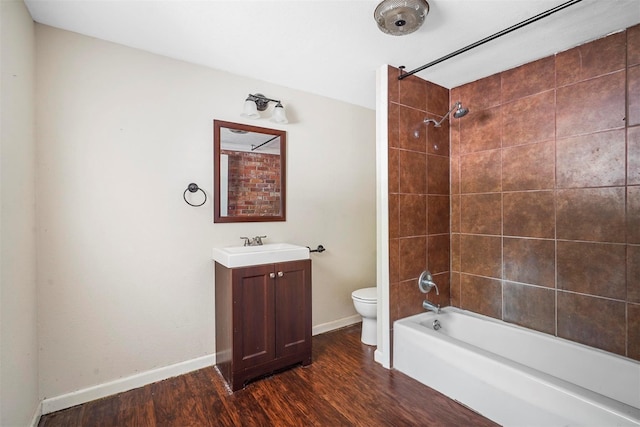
x=263, y=319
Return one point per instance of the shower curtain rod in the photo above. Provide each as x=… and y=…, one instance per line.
x=538, y=17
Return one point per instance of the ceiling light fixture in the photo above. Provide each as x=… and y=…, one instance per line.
x=258, y=102
x=400, y=17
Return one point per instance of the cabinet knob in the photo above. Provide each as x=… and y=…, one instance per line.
x=272, y=275
x=280, y=274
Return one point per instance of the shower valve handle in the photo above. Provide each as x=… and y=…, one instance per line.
x=426, y=283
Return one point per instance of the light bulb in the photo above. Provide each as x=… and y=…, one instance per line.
x=250, y=110
x=279, y=116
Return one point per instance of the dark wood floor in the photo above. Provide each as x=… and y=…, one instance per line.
x=342, y=387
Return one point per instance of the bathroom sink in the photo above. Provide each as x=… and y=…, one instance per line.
x=243, y=256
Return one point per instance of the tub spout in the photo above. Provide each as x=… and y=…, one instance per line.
x=427, y=305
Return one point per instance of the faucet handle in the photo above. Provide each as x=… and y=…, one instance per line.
x=258, y=239
x=433, y=285
x=246, y=241
x=426, y=283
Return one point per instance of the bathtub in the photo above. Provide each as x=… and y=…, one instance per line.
x=516, y=376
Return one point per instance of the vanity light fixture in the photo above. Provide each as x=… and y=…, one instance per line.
x=258, y=102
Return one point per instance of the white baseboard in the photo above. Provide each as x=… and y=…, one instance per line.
x=336, y=324
x=36, y=416
x=99, y=391
x=124, y=384
x=382, y=358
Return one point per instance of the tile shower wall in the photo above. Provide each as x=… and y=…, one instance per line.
x=545, y=195
x=419, y=208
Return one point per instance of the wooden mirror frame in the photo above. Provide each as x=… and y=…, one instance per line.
x=217, y=125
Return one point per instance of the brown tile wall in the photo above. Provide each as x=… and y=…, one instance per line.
x=545, y=195
x=418, y=193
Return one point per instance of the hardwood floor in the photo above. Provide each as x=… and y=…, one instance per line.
x=342, y=387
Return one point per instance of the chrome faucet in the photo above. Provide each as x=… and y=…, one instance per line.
x=426, y=283
x=431, y=306
x=254, y=241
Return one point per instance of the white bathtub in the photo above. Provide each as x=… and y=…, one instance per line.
x=516, y=376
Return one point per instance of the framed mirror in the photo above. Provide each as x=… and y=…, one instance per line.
x=249, y=173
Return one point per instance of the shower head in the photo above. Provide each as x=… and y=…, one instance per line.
x=460, y=112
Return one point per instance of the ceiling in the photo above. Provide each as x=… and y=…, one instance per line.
x=242, y=140
x=333, y=47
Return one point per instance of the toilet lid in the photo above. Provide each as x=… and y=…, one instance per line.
x=366, y=294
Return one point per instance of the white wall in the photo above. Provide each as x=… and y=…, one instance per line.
x=125, y=275
x=18, y=327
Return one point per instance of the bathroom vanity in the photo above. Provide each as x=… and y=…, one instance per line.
x=263, y=318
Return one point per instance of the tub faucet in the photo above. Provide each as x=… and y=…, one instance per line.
x=431, y=306
x=426, y=283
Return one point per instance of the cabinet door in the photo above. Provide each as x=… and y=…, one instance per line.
x=253, y=316
x=293, y=308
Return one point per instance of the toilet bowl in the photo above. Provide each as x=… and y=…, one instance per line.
x=365, y=301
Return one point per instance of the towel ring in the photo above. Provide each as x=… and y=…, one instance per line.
x=193, y=187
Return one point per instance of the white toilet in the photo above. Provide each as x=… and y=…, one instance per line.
x=365, y=301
